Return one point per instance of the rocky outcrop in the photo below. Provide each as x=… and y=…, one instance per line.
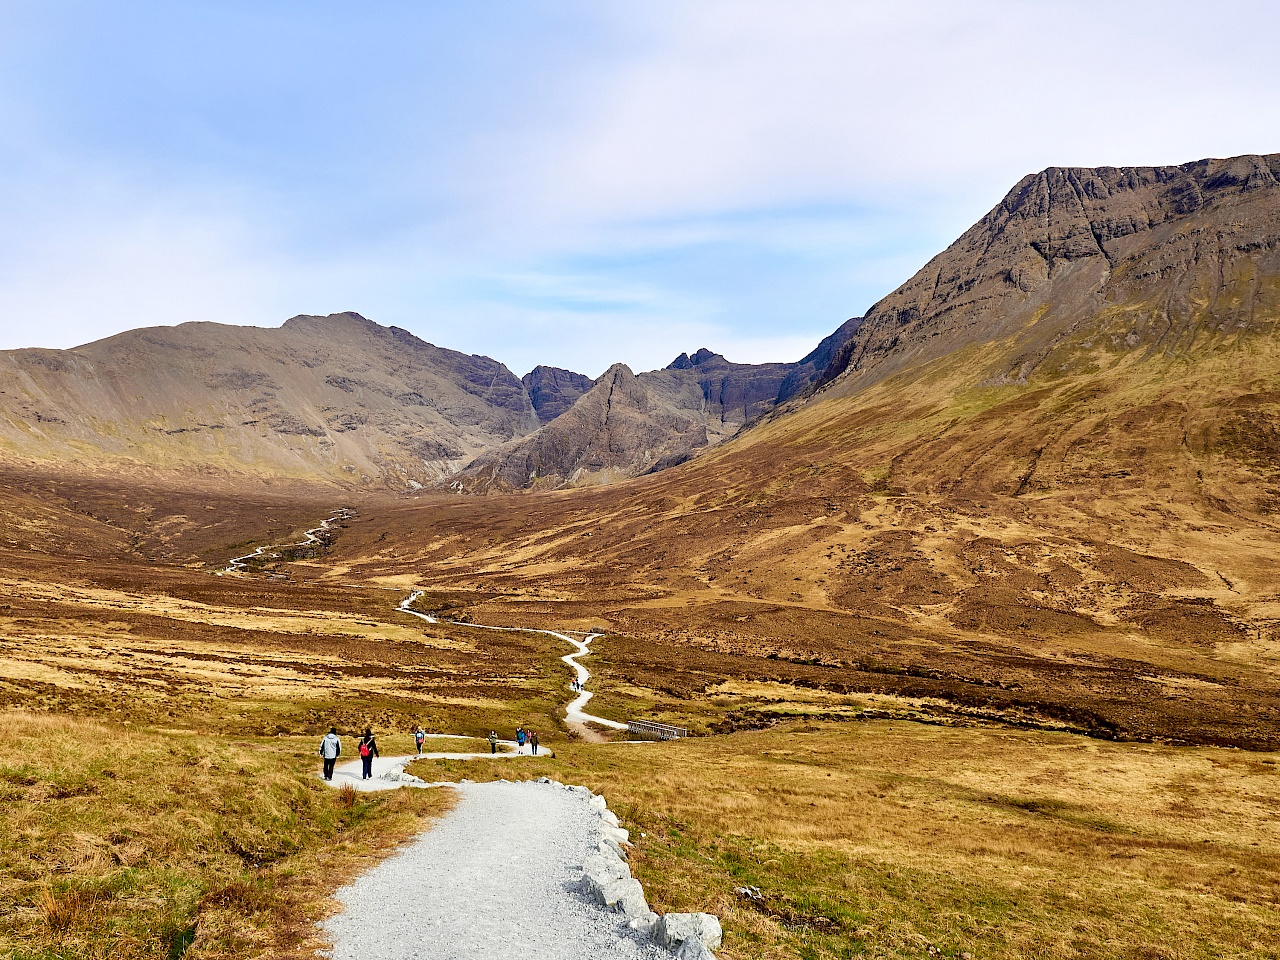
x=338, y=398
x=621, y=427
x=1172, y=245
x=627, y=425
x=552, y=390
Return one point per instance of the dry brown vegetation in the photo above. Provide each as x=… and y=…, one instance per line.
x=1023, y=570
x=1095, y=553
x=884, y=839
x=121, y=841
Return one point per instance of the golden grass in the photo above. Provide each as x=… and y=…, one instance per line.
x=880, y=839
x=122, y=842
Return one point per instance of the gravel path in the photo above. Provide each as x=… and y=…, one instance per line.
x=491, y=880
x=575, y=717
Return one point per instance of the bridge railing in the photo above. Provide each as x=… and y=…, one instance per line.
x=658, y=731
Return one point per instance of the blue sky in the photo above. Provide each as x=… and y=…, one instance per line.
x=567, y=183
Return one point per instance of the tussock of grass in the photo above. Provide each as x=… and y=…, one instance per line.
x=121, y=843
x=883, y=839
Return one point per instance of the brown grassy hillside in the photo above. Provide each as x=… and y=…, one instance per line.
x=1045, y=496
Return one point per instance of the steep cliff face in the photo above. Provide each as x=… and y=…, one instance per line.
x=663, y=417
x=1065, y=245
x=553, y=390
x=623, y=426
x=337, y=397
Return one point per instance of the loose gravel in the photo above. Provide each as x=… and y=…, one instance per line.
x=494, y=879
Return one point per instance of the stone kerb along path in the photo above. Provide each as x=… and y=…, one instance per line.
x=534, y=870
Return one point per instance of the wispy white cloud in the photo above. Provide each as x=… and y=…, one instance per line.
x=567, y=182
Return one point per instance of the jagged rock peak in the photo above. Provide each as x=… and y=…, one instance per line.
x=686, y=362
x=553, y=390
x=619, y=372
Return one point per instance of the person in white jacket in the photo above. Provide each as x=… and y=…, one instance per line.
x=331, y=750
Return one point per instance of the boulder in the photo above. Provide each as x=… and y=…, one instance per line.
x=606, y=865
x=598, y=802
x=673, y=929
x=694, y=950
x=609, y=818
x=610, y=845
x=644, y=925
x=625, y=896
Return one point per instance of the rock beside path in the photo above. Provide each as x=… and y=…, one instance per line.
x=499, y=876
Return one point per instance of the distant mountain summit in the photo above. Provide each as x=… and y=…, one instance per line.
x=1157, y=250
x=553, y=390
x=628, y=424
x=336, y=397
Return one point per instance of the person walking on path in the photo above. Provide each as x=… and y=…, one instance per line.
x=418, y=737
x=493, y=741
x=368, y=750
x=330, y=750
x=520, y=736
x=534, y=739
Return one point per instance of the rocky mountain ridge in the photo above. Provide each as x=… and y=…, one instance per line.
x=1073, y=265
x=629, y=424
x=336, y=398
x=1068, y=244
x=343, y=399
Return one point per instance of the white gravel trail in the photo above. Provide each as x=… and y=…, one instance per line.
x=491, y=881
x=574, y=715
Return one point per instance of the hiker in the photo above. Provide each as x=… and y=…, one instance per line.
x=331, y=750
x=493, y=741
x=418, y=737
x=533, y=737
x=520, y=737
x=368, y=750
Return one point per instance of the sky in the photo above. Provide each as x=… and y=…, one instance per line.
x=568, y=183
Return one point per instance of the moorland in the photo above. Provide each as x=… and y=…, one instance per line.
x=977, y=638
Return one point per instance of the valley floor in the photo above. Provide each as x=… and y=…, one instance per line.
x=160, y=798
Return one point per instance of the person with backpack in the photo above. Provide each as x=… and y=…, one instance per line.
x=520, y=737
x=368, y=750
x=330, y=750
x=418, y=737
x=493, y=741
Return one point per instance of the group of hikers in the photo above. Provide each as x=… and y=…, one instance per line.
x=331, y=747
x=331, y=750
x=530, y=737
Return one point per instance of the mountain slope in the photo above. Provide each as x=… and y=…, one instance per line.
x=338, y=398
x=1047, y=495
x=626, y=425
x=1067, y=242
x=622, y=426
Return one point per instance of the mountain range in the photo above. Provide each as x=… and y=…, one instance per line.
x=344, y=400
x=1074, y=265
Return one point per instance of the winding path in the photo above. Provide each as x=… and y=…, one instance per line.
x=575, y=717
x=312, y=536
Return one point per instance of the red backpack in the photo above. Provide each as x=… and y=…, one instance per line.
x=364, y=749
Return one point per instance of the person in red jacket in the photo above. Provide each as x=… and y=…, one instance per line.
x=368, y=750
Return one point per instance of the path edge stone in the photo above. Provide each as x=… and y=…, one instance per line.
x=606, y=880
